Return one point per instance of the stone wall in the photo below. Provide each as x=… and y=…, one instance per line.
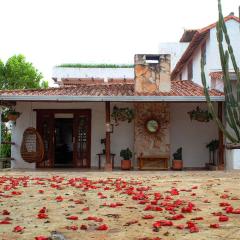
x=152, y=143
x=152, y=73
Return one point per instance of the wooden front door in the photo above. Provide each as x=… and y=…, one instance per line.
x=45, y=126
x=81, y=137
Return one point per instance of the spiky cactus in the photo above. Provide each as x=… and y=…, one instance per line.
x=232, y=100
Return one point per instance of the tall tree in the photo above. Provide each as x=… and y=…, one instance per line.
x=17, y=73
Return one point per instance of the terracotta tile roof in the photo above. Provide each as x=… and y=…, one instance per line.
x=219, y=75
x=216, y=75
x=77, y=90
x=185, y=88
x=197, y=39
x=178, y=88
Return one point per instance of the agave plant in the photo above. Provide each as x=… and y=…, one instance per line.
x=232, y=100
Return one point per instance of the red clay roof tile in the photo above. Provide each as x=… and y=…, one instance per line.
x=178, y=88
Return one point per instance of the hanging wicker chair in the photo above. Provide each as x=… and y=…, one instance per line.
x=32, y=148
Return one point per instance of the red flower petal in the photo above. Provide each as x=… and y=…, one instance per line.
x=72, y=218
x=5, y=212
x=83, y=227
x=174, y=191
x=59, y=198
x=18, y=229
x=42, y=216
x=236, y=211
x=86, y=209
x=5, y=222
x=102, y=227
x=176, y=217
x=194, y=229
x=197, y=218
x=41, y=238
x=180, y=226
x=74, y=228
x=214, y=225
x=148, y=217
x=223, y=218
x=42, y=210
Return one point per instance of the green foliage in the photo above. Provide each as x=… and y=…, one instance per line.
x=44, y=84
x=5, y=150
x=213, y=145
x=101, y=65
x=200, y=115
x=126, y=154
x=178, y=154
x=232, y=102
x=17, y=73
x=122, y=114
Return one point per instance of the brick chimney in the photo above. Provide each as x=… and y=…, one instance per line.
x=152, y=73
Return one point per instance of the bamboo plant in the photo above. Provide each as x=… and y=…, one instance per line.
x=232, y=100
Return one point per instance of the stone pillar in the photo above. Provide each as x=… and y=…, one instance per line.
x=152, y=73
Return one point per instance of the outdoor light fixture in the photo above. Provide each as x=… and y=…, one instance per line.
x=109, y=127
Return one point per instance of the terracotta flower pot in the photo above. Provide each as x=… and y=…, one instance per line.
x=126, y=164
x=177, y=164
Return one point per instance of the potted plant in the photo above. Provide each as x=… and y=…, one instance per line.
x=177, y=163
x=122, y=114
x=126, y=155
x=200, y=115
x=12, y=115
x=212, y=147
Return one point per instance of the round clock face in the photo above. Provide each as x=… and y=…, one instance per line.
x=152, y=126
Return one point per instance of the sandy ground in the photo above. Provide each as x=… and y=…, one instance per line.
x=116, y=201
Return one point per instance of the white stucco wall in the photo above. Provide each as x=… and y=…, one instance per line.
x=185, y=73
x=233, y=28
x=68, y=72
x=175, y=49
x=213, y=63
x=192, y=136
x=121, y=138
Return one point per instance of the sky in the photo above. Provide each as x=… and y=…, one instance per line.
x=52, y=32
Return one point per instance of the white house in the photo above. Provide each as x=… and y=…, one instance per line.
x=82, y=104
x=203, y=42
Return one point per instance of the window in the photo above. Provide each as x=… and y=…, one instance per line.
x=180, y=76
x=190, y=70
x=203, y=53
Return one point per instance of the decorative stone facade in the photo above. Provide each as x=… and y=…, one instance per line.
x=152, y=73
x=152, y=143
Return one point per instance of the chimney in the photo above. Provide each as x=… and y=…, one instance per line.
x=152, y=73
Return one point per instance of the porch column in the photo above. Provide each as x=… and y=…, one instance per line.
x=220, y=137
x=108, y=163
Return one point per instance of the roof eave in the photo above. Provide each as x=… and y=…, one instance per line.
x=59, y=98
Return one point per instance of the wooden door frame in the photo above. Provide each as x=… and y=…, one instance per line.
x=88, y=113
x=75, y=112
x=51, y=144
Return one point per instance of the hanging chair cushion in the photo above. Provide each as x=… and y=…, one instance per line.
x=32, y=148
